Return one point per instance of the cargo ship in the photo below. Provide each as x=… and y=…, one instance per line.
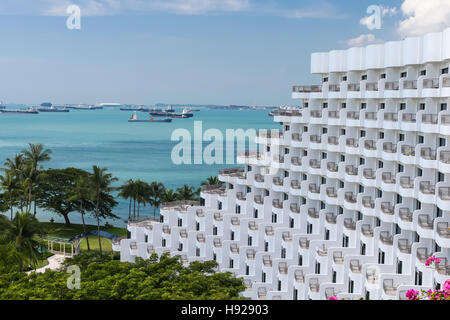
x=20, y=111
x=134, y=118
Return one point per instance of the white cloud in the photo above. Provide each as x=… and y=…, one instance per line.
x=423, y=16
x=320, y=9
x=363, y=40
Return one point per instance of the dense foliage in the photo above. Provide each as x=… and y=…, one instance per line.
x=107, y=279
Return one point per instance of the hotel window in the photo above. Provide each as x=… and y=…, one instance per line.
x=342, y=158
x=247, y=270
x=400, y=168
x=404, y=74
x=180, y=223
x=309, y=228
x=238, y=209
x=197, y=226
x=279, y=285
x=402, y=106
x=361, y=189
x=344, y=78
x=444, y=71
x=381, y=135
x=362, y=161
x=399, y=199
x=317, y=271
x=325, y=79
x=324, y=155
x=418, y=206
x=146, y=238
x=363, y=106
x=286, y=174
x=443, y=106
x=232, y=235
x=401, y=137
x=250, y=240
x=334, y=277
x=214, y=231
x=422, y=106
x=442, y=142
x=305, y=153
x=327, y=234
x=380, y=164
x=274, y=218
x=283, y=253
x=364, y=77
x=300, y=259
x=219, y=205
x=343, y=131
x=255, y=213
x=420, y=139
x=295, y=296
x=249, y=189
x=231, y=187
x=231, y=263
x=286, y=196
x=268, y=149
x=197, y=252
x=382, y=106
x=379, y=193
x=363, y=249
x=383, y=76
x=249, y=168
x=324, y=130
x=399, y=266
x=286, y=150
x=266, y=246
x=287, y=128
x=267, y=193
x=362, y=133
x=180, y=247
x=343, y=105
x=263, y=278
x=423, y=72
x=381, y=256
x=305, y=129
x=291, y=223
x=419, y=172
x=325, y=105
x=341, y=185
x=440, y=176
x=163, y=242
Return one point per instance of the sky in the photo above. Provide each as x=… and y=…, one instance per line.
x=246, y=52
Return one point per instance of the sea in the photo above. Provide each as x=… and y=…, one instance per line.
x=83, y=138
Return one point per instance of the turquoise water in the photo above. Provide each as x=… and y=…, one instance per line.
x=82, y=138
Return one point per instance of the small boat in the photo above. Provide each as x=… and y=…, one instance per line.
x=52, y=109
x=134, y=118
x=80, y=107
x=2, y=106
x=20, y=111
x=271, y=114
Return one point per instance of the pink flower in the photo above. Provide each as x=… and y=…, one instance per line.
x=412, y=294
x=446, y=285
x=333, y=298
x=437, y=261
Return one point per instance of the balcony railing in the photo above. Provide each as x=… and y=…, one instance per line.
x=443, y=230
x=387, y=208
x=262, y=293
x=388, y=178
x=295, y=208
x=315, y=164
x=331, y=192
x=349, y=224
x=355, y=266
x=259, y=178
x=315, y=139
x=307, y=89
x=332, y=167
x=333, y=114
x=386, y=238
x=407, y=150
x=425, y=221
x=445, y=157
x=258, y=199
x=404, y=246
x=370, y=145
x=354, y=87
x=422, y=254
x=218, y=216
x=166, y=229
x=331, y=217
x=251, y=253
x=267, y=261
x=304, y=243
x=277, y=181
x=269, y=231
x=313, y=213
x=406, y=182
x=371, y=116
x=314, y=285
x=353, y=115
x=333, y=141
x=296, y=137
x=368, y=173
x=240, y=196
x=367, y=230
x=338, y=257
x=391, y=85
x=391, y=116
x=389, y=147
x=252, y=225
x=316, y=114
x=200, y=213
x=427, y=188
x=282, y=268
x=446, y=82
x=322, y=251
x=428, y=154
x=234, y=248
x=217, y=243
x=350, y=197
x=296, y=161
x=299, y=276
x=430, y=118
x=286, y=235
x=368, y=202
x=409, y=117
x=351, y=170
x=235, y=221
x=405, y=214
x=313, y=188
x=295, y=184
x=444, y=193
x=389, y=288
x=334, y=88
x=351, y=142
x=443, y=268
x=410, y=84
x=431, y=83
x=445, y=119
x=200, y=238
x=277, y=203
x=371, y=86
x=183, y=233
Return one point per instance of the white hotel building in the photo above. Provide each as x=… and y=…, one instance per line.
x=361, y=194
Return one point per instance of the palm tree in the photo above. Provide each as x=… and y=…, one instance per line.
x=186, y=193
x=157, y=192
x=101, y=183
x=127, y=192
x=15, y=165
x=34, y=155
x=30, y=176
x=9, y=184
x=170, y=196
x=211, y=181
x=81, y=195
x=21, y=233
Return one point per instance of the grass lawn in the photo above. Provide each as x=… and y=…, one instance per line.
x=93, y=244
x=60, y=230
